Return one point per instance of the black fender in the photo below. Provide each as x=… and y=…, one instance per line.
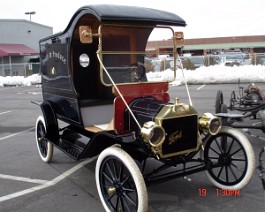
x=128, y=142
x=98, y=143
x=50, y=121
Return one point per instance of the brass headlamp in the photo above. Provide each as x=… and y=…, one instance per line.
x=153, y=134
x=210, y=123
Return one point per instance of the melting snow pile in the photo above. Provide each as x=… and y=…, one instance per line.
x=202, y=75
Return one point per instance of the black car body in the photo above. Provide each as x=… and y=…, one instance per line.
x=95, y=80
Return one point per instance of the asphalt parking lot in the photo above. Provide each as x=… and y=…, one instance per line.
x=27, y=184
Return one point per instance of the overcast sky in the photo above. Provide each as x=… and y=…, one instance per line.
x=205, y=18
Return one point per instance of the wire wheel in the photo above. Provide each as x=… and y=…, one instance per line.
x=232, y=100
x=219, y=101
x=119, y=182
x=232, y=159
x=45, y=148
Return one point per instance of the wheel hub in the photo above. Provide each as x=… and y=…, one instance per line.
x=116, y=189
x=111, y=191
x=224, y=159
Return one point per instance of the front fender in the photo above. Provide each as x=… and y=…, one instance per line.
x=50, y=121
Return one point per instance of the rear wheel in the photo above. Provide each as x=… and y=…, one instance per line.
x=120, y=183
x=224, y=110
x=45, y=148
x=232, y=159
x=232, y=100
x=219, y=101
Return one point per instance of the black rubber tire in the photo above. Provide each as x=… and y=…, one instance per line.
x=232, y=100
x=219, y=101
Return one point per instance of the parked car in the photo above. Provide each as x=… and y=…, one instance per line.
x=233, y=59
x=212, y=60
x=193, y=62
x=262, y=61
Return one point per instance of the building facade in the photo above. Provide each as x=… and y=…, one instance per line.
x=204, y=46
x=19, y=45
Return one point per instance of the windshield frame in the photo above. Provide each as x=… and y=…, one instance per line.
x=132, y=51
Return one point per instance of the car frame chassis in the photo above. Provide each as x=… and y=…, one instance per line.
x=248, y=101
x=249, y=104
x=98, y=101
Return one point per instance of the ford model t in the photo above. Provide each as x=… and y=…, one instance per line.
x=100, y=97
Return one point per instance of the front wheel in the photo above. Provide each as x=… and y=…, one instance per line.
x=45, y=148
x=120, y=183
x=231, y=157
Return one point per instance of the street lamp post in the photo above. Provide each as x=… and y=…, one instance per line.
x=30, y=13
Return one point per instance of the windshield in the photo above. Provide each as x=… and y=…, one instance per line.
x=130, y=54
x=234, y=57
x=199, y=60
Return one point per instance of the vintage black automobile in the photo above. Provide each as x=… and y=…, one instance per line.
x=100, y=98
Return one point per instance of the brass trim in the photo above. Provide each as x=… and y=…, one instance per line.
x=158, y=151
x=173, y=111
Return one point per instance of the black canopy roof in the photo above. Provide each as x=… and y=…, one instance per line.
x=120, y=13
x=132, y=13
x=107, y=13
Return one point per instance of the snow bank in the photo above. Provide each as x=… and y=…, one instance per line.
x=214, y=74
x=20, y=80
x=225, y=74
x=202, y=75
